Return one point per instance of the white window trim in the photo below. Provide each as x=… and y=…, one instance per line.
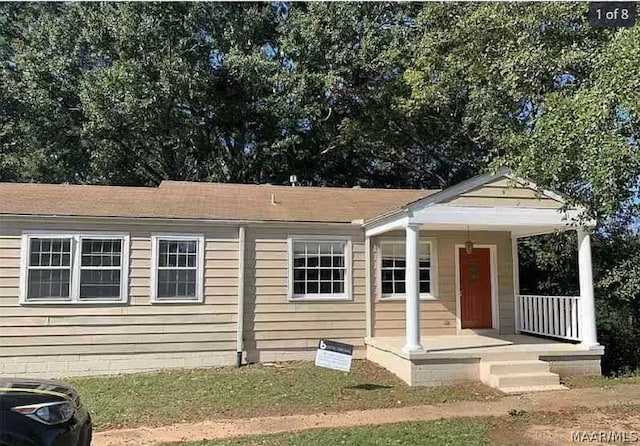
x=433, y=294
x=153, y=286
x=76, y=253
x=327, y=297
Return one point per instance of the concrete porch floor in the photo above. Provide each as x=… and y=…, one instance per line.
x=479, y=346
x=471, y=357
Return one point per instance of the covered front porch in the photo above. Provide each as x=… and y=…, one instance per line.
x=470, y=321
x=512, y=363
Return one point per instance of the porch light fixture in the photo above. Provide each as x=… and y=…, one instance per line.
x=468, y=246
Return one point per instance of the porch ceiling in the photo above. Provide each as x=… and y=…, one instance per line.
x=519, y=231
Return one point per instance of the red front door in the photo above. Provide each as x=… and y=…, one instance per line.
x=475, y=288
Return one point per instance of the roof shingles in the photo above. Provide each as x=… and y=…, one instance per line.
x=213, y=201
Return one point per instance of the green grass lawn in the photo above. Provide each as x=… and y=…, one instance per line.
x=455, y=432
x=295, y=387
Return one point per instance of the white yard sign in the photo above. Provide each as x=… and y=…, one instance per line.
x=334, y=355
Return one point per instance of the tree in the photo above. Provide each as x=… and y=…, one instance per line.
x=549, y=95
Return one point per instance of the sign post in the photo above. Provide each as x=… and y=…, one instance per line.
x=334, y=355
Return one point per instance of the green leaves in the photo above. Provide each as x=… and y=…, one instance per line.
x=376, y=94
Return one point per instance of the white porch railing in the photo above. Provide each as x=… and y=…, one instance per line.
x=554, y=316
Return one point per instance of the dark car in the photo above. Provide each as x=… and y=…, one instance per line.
x=42, y=413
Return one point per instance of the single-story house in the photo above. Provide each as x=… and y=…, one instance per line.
x=104, y=280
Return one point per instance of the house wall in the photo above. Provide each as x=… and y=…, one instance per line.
x=276, y=329
x=76, y=339
x=438, y=316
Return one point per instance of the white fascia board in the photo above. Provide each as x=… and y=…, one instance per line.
x=498, y=216
x=391, y=223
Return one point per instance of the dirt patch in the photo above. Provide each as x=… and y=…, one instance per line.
x=514, y=408
x=551, y=429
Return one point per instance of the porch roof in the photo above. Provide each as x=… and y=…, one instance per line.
x=448, y=210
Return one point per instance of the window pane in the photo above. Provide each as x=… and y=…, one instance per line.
x=177, y=253
x=312, y=287
x=48, y=284
x=50, y=252
x=101, y=253
x=399, y=287
x=398, y=275
x=325, y=287
x=424, y=274
x=176, y=283
x=425, y=287
x=100, y=284
x=338, y=287
x=387, y=287
x=325, y=274
x=298, y=288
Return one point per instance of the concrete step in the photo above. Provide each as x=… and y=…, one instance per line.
x=517, y=375
x=505, y=367
x=527, y=389
x=525, y=380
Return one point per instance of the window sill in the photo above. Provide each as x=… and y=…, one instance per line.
x=177, y=301
x=74, y=302
x=315, y=298
x=401, y=297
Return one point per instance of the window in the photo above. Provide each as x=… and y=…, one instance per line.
x=74, y=268
x=319, y=269
x=49, y=269
x=393, y=268
x=100, y=268
x=178, y=268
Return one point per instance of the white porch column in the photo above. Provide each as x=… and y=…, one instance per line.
x=515, y=260
x=412, y=290
x=587, y=304
x=369, y=298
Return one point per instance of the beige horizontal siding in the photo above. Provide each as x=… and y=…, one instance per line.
x=439, y=316
x=272, y=324
x=138, y=325
x=504, y=192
